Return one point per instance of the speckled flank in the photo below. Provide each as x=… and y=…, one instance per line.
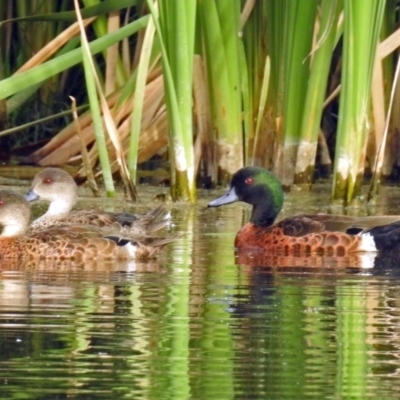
x=274, y=239
x=77, y=243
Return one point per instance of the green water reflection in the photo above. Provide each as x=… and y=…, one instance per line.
x=200, y=324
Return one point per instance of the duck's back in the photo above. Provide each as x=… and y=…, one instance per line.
x=136, y=224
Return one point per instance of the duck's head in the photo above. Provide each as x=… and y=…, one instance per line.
x=15, y=214
x=56, y=186
x=258, y=187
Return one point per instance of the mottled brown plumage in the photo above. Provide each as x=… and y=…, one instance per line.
x=311, y=263
x=57, y=187
x=77, y=242
x=297, y=236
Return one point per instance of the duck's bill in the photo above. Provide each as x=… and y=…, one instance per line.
x=229, y=197
x=31, y=196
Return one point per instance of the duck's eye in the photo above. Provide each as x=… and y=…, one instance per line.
x=249, y=181
x=1, y=203
x=47, y=181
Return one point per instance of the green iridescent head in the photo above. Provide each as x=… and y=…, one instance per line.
x=258, y=187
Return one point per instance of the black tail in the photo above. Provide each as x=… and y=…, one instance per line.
x=387, y=237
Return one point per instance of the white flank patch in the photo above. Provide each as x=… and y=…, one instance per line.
x=367, y=242
x=131, y=249
x=367, y=260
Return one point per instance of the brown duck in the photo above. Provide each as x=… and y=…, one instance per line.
x=303, y=234
x=77, y=242
x=58, y=187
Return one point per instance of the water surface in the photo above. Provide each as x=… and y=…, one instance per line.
x=200, y=323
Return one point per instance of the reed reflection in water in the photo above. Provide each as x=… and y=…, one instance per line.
x=201, y=323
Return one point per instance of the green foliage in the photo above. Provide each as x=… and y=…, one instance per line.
x=267, y=66
x=176, y=34
x=362, y=26
x=219, y=22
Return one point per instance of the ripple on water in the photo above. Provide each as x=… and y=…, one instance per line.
x=201, y=323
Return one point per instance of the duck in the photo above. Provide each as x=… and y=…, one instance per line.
x=62, y=242
x=303, y=234
x=59, y=188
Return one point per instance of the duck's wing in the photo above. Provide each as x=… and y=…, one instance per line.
x=88, y=241
x=304, y=224
x=113, y=232
x=374, y=221
x=154, y=220
x=301, y=225
x=137, y=223
x=96, y=218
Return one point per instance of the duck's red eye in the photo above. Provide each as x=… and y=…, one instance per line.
x=249, y=181
x=47, y=181
x=1, y=203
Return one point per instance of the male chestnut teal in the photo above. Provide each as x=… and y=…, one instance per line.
x=303, y=234
x=76, y=242
x=59, y=188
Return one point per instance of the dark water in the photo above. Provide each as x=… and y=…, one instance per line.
x=202, y=324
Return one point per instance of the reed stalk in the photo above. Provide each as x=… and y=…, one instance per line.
x=311, y=117
x=40, y=73
x=362, y=25
x=138, y=101
x=255, y=81
x=114, y=70
x=297, y=16
x=85, y=155
x=219, y=21
x=383, y=142
x=269, y=115
x=175, y=29
x=95, y=110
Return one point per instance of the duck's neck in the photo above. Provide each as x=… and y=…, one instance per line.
x=59, y=209
x=13, y=230
x=263, y=215
x=267, y=201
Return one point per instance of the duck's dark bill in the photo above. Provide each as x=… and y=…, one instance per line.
x=227, y=198
x=31, y=196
